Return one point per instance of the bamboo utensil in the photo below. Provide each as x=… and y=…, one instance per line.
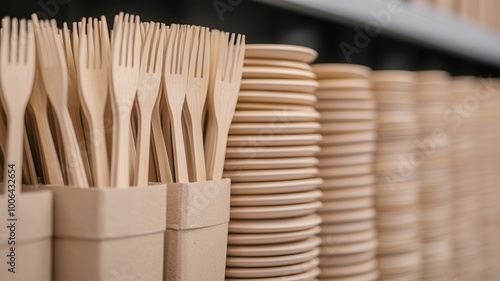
x=147, y=96
x=175, y=81
x=48, y=153
x=164, y=170
x=54, y=74
x=93, y=70
x=17, y=71
x=125, y=59
x=196, y=95
x=223, y=96
x=70, y=44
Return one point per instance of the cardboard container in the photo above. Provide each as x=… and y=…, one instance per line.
x=197, y=230
x=33, y=236
x=109, y=234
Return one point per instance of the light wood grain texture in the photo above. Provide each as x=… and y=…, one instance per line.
x=175, y=82
x=46, y=147
x=222, y=99
x=54, y=74
x=147, y=95
x=17, y=68
x=125, y=63
x=93, y=70
x=70, y=42
x=197, y=90
x=163, y=166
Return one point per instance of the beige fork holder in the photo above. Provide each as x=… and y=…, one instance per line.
x=109, y=234
x=33, y=236
x=197, y=230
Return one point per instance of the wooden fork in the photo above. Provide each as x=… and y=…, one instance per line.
x=125, y=63
x=147, y=95
x=196, y=95
x=93, y=71
x=175, y=82
x=222, y=101
x=54, y=74
x=17, y=69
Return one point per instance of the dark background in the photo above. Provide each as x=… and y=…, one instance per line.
x=262, y=24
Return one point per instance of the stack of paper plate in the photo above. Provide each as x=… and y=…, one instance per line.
x=468, y=184
x=489, y=164
x=271, y=160
x=397, y=188
x=348, y=120
x=433, y=98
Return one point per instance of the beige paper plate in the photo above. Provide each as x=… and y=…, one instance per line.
x=271, y=175
x=348, y=216
x=347, y=204
x=347, y=115
x=350, y=259
x=275, y=187
x=274, y=212
x=310, y=275
x=255, y=116
x=271, y=238
x=276, y=73
x=280, y=52
x=393, y=76
x=370, y=276
x=342, y=138
x=345, y=171
x=346, y=249
x=266, y=262
x=338, y=228
x=356, y=148
x=274, y=226
x=344, y=127
x=337, y=194
x=274, y=128
x=275, y=199
x=272, y=151
x=339, y=84
x=277, y=97
x=330, y=70
x=344, y=95
x=276, y=108
x=328, y=105
x=280, y=85
x=274, y=250
x=264, y=272
x=277, y=63
x=273, y=140
x=355, y=159
x=349, y=182
x=269, y=163
x=330, y=239
x=349, y=270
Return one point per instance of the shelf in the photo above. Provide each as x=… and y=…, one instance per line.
x=415, y=23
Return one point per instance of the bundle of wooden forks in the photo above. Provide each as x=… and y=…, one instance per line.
x=143, y=103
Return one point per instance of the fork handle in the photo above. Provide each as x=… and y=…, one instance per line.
x=49, y=156
x=99, y=154
x=120, y=164
x=72, y=151
x=160, y=150
x=143, y=145
x=14, y=155
x=181, y=168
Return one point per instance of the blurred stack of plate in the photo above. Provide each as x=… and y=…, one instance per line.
x=348, y=120
x=271, y=160
x=432, y=94
x=468, y=184
x=396, y=166
x=488, y=95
